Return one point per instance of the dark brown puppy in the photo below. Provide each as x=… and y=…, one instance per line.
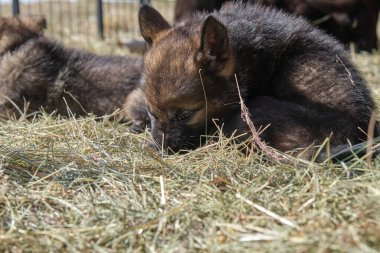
x=336, y=17
x=44, y=73
x=343, y=14
x=295, y=78
x=334, y=21
x=185, y=8
x=366, y=36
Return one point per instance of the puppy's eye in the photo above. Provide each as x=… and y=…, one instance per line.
x=185, y=115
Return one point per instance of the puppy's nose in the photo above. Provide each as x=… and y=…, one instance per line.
x=168, y=144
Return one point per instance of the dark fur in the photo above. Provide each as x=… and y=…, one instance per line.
x=135, y=109
x=46, y=74
x=15, y=31
x=185, y=8
x=367, y=14
x=336, y=17
x=292, y=76
x=343, y=14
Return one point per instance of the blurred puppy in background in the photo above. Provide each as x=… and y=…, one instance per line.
x=39, y=72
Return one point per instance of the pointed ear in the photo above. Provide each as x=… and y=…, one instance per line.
x=214, y=50
x=151, y=23
x=36, y=23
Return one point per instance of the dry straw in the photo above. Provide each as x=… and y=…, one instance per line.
x=88, y=185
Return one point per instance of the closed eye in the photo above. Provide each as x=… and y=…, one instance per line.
x=185, y=115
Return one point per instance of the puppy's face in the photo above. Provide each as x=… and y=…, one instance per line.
x=17, y=30
x=186, y=78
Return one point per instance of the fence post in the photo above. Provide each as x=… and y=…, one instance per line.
x=16, y=7
x=100, y=19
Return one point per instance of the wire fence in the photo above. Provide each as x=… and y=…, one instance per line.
x=110, y=19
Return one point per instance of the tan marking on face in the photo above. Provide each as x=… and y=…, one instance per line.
x=169, y=63
x=156, y=58
x=199, y=117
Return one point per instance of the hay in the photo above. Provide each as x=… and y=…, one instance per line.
x=88, y=185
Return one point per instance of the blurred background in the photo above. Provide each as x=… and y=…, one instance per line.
x=111, y=20
x=353, y=22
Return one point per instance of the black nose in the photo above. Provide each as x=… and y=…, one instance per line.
x=164, y=141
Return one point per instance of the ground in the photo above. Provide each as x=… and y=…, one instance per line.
x=88, y=185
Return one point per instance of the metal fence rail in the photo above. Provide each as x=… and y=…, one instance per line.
x=110, y=19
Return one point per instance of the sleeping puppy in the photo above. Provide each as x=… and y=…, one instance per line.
x=39, y=72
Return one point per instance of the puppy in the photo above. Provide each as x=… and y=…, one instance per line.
x=44, y=73
x=295, y=78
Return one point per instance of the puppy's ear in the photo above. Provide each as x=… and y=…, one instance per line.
x=151, y=23
x=214, y=51
x=36, y=23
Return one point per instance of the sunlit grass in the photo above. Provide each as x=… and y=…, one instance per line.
x=89, y=185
